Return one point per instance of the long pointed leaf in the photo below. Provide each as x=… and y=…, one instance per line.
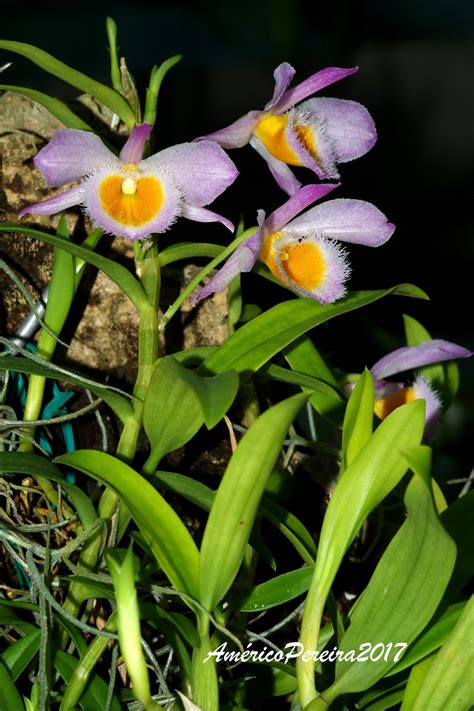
x=358, y=420
x=377, y=468
x=236, y=502
x=449, y=682
x=162, y=528
x=406, y=587
x=10, y=699
x=256, y=342
x=104, y=94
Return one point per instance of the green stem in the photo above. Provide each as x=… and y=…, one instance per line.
x=85, y=667
x=309, y=638
x=204, y=680
x=317, y=704
x=148, y=341
x=176, y=305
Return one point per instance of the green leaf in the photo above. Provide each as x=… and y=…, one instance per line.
x=432, y=637
x=122, y=569
x=358, y=420
x=259, y=340
x=374, y=472
x=458, y=520
x=95, y=693
x=55, y=107
x=416, y=679
x=236, y=502
x=18, y=655
x=449, y=683
x=116, y=402
x=188, y=250
x=156, y=79
x=185, y=401
x=303, y=357
x=119, y=274
x=215, y=394
x=234, y=302
x=172, y=412
x=161, y=527
x=115, y=76
x=32, y=465
x=405, y=589
x=389, y=701
x=379, y=693
x=60, y=295
x=291, y=527
x=192, y=490
x=102, y=93
x=275, y=591
x=309, y=382
x=10, y=699
x=90, y=588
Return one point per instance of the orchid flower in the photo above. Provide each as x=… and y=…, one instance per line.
x=126, y=195
x=304, y=253
x=318, y=133
x=390, y=395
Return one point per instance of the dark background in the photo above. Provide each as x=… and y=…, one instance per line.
x=416, y=62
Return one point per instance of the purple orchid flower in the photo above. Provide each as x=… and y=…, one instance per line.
x=304, y=253
x=129, y=196
x=318, y=133
x=390, y=395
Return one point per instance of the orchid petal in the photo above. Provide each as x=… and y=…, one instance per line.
x=200, y=214
x=70, y=155
x=132, y=152
x=280, y=171
x=323, y=161
x=348, y=126
x=241, y=260
x=201, y=170
x=237, y=134
x=137, y=222
x=354, y=221
x=310, y=86
x=409, y=357
x=283, y=74
x=68, y=199
x=298, y=202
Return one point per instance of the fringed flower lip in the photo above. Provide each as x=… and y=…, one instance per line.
x=126, y=195
x=304, y=253
x=390, y=395
x=317, y=134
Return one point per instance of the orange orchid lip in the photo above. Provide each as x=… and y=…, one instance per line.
x=131, y=201
x=297, y=263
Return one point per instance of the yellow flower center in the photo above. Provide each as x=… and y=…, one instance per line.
x=271, y=132
x=132, y=200
x=384, y=406
x=302, y=263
